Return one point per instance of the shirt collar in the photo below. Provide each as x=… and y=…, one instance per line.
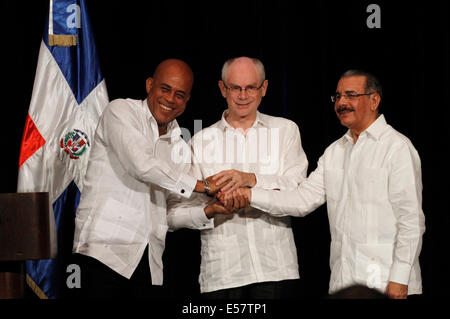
x=223, y=124
x=173, y=129
x=147, y=112
x=374, y=130
x=377, y=127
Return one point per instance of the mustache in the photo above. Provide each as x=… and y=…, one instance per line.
x=342, y=109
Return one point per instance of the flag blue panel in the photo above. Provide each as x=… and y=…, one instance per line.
x=50, y=274
x=79, y=63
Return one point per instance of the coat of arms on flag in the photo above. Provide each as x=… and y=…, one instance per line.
x=75, y=143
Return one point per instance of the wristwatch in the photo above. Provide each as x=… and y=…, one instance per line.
x=207, y=186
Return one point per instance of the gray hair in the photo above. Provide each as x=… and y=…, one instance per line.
x=372, y=83
x=258, y=64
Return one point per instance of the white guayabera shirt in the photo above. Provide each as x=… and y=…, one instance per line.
x=373, y=190
x=129, y=176
x=250, y=246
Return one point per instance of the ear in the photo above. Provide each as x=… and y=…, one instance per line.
x=223, y=89
x=264, y=87
x=375, y=100
x=148, y=85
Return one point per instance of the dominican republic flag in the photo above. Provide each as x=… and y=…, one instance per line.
x=69, y=95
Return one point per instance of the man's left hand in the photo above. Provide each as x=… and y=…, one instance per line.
x=395, y=290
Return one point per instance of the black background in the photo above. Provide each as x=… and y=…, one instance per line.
x=304, y=46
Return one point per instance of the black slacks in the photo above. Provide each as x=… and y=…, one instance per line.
x=98, y=281
x=284, y=289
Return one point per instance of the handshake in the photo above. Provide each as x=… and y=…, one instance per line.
x=231, y=191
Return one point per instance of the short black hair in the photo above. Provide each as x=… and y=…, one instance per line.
x=372, y=83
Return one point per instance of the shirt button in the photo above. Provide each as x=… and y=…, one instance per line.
x=182, y=191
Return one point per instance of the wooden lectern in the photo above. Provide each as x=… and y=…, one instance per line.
x=27, y=231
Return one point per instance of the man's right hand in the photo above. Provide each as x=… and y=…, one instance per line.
x=215, y=208
x=228, y=204
x=214, y=187
x=245, y=194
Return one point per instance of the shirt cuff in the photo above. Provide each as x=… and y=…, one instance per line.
x=260, y=182
x=260, y=199
x=185, y=185
x=267, y=182
x=200, y=220
x=276, y=182
x=400, y=273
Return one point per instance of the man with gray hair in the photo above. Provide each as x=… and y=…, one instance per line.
x=371, y=181
x=250, y=254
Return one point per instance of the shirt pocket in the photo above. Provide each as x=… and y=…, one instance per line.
x=372, y=184
x=334, y=183
x=278, y=250
x=117, y=223
x=373, y=263
x=221, y=256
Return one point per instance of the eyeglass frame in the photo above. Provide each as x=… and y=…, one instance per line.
x=249, y=87
x=348, y=96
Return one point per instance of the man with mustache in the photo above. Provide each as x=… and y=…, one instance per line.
x=121, y=221
x=371, y=181
x=249, y=254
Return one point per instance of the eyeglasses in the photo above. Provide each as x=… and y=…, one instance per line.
x=250, y=89
x=336, y=97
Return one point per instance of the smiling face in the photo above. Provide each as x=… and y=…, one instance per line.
x=243, y=73
x=356, y=113
x=169, y=91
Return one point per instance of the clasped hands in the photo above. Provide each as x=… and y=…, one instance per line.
x=230, y=189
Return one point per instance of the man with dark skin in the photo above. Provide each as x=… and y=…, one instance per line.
x=121, y=222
